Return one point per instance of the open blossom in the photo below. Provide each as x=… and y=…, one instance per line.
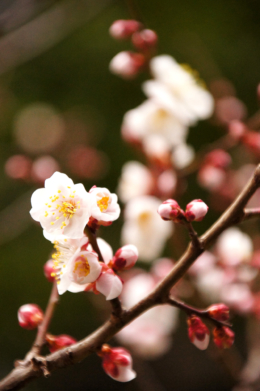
x=182, y=155
x=135, y=180
x=178, y=90
x=117, y=363
x=151, y=118
x=105, y=208
x=144, y=228
x=74, y=268
x=62, y=208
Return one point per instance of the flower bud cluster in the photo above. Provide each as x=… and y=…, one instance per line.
x=195, y=211
x=199, y=333
x=117, y=363
x=129, y=64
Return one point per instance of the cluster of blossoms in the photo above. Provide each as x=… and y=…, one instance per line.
x=176, y=100
x=65, y=211
x=229, y=273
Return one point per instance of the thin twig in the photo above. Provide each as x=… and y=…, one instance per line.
x=195, y=311
x=251, y=213
x=43, y=328
x=77, y=352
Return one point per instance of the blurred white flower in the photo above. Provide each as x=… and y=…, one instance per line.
x=150, y=334
x=136, y=180
x=144, y=228
x=234, y=247
x=151, y=118
x=178, y=89
x=126, y=64
x=182, y=155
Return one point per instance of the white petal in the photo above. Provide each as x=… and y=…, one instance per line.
x=202, y=345
x=109, y=285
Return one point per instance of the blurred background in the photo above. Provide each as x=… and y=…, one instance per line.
x=61, y=109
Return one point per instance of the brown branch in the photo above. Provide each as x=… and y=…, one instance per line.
x=195, y=311
x=77, y=352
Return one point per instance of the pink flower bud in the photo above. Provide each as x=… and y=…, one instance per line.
x=223, y=337
x=30, y=316
x=49, y=270
x=117, y=363
x=123, y=29
x=198, y=332
x=218, y=158
x=127, y=64
x=145, y=39
x=219, y=312
x=170, y=210
x=125, y=257
x=237, y=129
x=57, y=342
x=196, y=210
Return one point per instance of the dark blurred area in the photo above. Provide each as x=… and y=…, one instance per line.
x=61, y=109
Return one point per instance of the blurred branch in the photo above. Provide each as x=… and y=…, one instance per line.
x=46, y=30
x=77, y=352
x=14, y=219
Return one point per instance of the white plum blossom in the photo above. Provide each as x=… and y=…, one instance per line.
x=62, y=208
x=234, y=247
x=152, y=118
x=105, y=208
x=178, y=89
x=182, y=155
x=75, y=266
x=150, y=334
x=144, y=228
x=135, y=180
x=238, y=296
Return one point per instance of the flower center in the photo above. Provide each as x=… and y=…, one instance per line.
x=62, y=207
x=81, y=269
x=144, y=218
x=103, y=204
